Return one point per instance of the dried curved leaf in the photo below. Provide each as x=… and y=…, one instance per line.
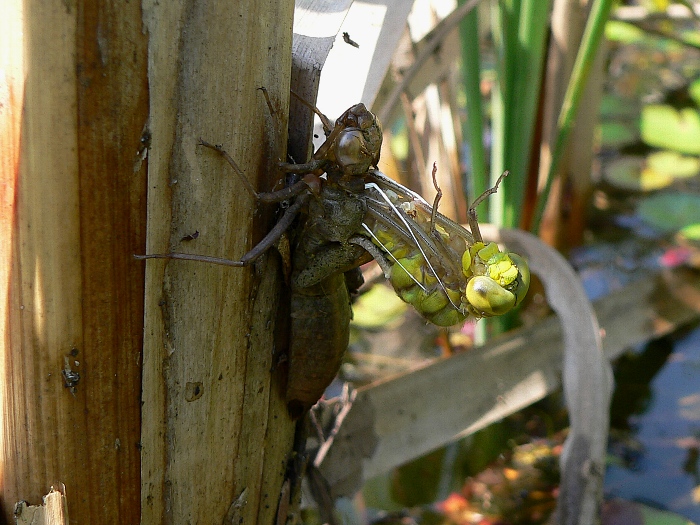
x=587, y=376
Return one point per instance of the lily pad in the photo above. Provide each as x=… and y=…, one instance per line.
x=630, y=173
x=652, y=516
x=670, y=211
x=615, y=107
x=691, y=37
x=671, y=128
x=614, y=135
x=673, y=164
x=694, y=91
x=377, y=307
x=619, y=511
x=691, y=233
x=623, y=32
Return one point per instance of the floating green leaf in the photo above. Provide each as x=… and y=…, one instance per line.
x=673, y=164
x=652, y=516
x=667, y=127
x=399, y=144
x=616, y=107
x=691, y=37
x=691, y=233
x=670, y=211
x=623, y=32
x=614, y=135
x=694, y=91
x=377, y=307
x=629, y=173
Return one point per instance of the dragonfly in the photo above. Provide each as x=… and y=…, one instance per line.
x=351, y=213
x=446, y=272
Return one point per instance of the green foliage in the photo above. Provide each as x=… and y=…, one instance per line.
x=520, y=30
x=664, y=126
x=614, y=135
x=673, y=164
x=691, y=233
x=623, y=32
x=670, y=211
x=628, y=173
x=377, y=307
x=589, y=45
x=616, y=107
x=658, y=170
x=694, y=91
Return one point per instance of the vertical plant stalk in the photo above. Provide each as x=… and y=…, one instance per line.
x=502, y=22
x=520, y=30
x=533, y=28
x=592, y=35
x=568, y=23
x=564, y=216
x=476, y=182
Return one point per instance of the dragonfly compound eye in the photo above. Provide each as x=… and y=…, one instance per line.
x=358, y=145
x=521, y=284
x=488, y=297
x=503, y=287
x=350, y=152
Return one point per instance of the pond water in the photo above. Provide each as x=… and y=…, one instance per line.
x=661, y=467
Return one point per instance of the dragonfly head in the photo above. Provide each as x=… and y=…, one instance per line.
x=499, y=280
x=358, y=145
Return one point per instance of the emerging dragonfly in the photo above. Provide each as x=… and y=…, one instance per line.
x=447, y=273
x=353, y=213
x=444, y=271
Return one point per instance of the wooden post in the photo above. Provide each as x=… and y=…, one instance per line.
x=75, y=102
x=216, y=433
x=100, y=103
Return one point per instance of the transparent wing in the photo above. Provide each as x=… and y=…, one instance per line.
x=436, y=264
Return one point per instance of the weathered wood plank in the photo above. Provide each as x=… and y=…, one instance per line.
x=316, y=25
x=350, y=74
x=436, y=66
x=426, y=408
x=216, y=432
x=53, y=511
x=355, y=74
x=75, y=75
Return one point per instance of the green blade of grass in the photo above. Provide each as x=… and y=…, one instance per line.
x=504, y=24
x=474, y=128
x=521, y=28
x=584, y=59
x=533, y=28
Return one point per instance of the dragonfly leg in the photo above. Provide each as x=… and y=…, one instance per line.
x=308, y=167
x=375, y=252
x=471, y=214
x=265, y=244
x=327, y=124
x=272, y=196
x=438, y=196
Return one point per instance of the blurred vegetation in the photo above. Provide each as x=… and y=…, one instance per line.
x=576, y=106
